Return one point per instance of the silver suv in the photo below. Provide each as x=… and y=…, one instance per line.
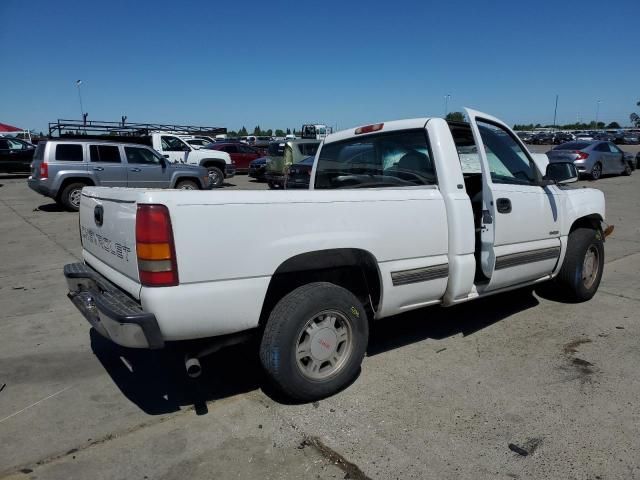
x=61, y=167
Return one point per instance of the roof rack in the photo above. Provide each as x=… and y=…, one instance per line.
x=96, y=127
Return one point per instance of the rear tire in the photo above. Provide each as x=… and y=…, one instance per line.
x=596, y=171
x=314, y=341
x=71, y=195
x=581, y=270
x=272, y=185
x=187, y=185
x=216, y=176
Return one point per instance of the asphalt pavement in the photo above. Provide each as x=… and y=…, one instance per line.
x=513, y=386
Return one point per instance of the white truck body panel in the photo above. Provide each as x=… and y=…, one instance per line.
x=229, y=244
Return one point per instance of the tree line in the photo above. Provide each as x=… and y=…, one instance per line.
x=258, y=132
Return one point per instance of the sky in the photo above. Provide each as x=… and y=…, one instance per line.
x=281, y=64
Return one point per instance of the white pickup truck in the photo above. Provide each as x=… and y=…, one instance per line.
x=400, y=215
x=177, y=150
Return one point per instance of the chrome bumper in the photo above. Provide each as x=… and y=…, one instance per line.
x=113, y=313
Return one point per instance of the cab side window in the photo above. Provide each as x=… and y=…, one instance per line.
x=141, y=156
x=508, y=162
x=390, y=159
x=104, y=154
x=172, y=144
x=69, y=152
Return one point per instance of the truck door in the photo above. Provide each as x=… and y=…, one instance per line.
x=520, y=228
x=174, y=149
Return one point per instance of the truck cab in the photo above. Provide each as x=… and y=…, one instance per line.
x=218, y=163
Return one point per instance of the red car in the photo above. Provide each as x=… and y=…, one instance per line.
x=240, y=153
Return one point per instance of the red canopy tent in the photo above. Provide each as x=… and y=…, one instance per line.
x=5, y=128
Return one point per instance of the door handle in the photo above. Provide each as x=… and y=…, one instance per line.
x=165, y=156
x=135, y=170
x=98, y=169
x=503, y=205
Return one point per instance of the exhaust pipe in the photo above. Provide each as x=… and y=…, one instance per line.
x=193, y=367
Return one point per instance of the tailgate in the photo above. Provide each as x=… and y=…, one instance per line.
x=108, y=228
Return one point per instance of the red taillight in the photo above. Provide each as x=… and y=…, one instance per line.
x=155, y=248
x=44, y=170
x=369, y=128
x=582, y=156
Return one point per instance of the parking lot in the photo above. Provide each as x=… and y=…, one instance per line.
x=442, y=392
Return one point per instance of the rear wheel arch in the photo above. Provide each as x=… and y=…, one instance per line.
x=179, y=179
x=69, y=180
x=354, y=269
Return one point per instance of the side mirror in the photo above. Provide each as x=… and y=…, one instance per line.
x=562, y=172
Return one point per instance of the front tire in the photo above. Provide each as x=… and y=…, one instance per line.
x=314, y=341
x=71, y=195
x=187, y=185
x=596, y=171
x=627, y=170
x=216, y=177
x=581, y=270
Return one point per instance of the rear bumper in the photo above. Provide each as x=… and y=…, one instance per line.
x=37, y=186
x=273, y=177
x=110, y=311
x=257, y=172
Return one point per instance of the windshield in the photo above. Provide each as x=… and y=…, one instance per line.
x=393, y=159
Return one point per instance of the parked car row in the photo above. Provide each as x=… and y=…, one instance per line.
x=620, y=137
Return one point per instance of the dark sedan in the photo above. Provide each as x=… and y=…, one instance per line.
x=15, y=155
x=258, y=167
x=299, y=174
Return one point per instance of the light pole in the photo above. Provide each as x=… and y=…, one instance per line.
x=446, y=104
x=597, y=112
x=555, y=113
x=78, y=83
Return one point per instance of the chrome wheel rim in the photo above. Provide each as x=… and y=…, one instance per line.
x=324, y=345
x=214, y=177
x=590, y=267
x=186, y=186
x=74, y=197
x=596, y=171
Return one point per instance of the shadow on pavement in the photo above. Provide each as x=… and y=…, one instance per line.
x=50, y=207
x=158, y=384
x=157, y=381
x=439, y=323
